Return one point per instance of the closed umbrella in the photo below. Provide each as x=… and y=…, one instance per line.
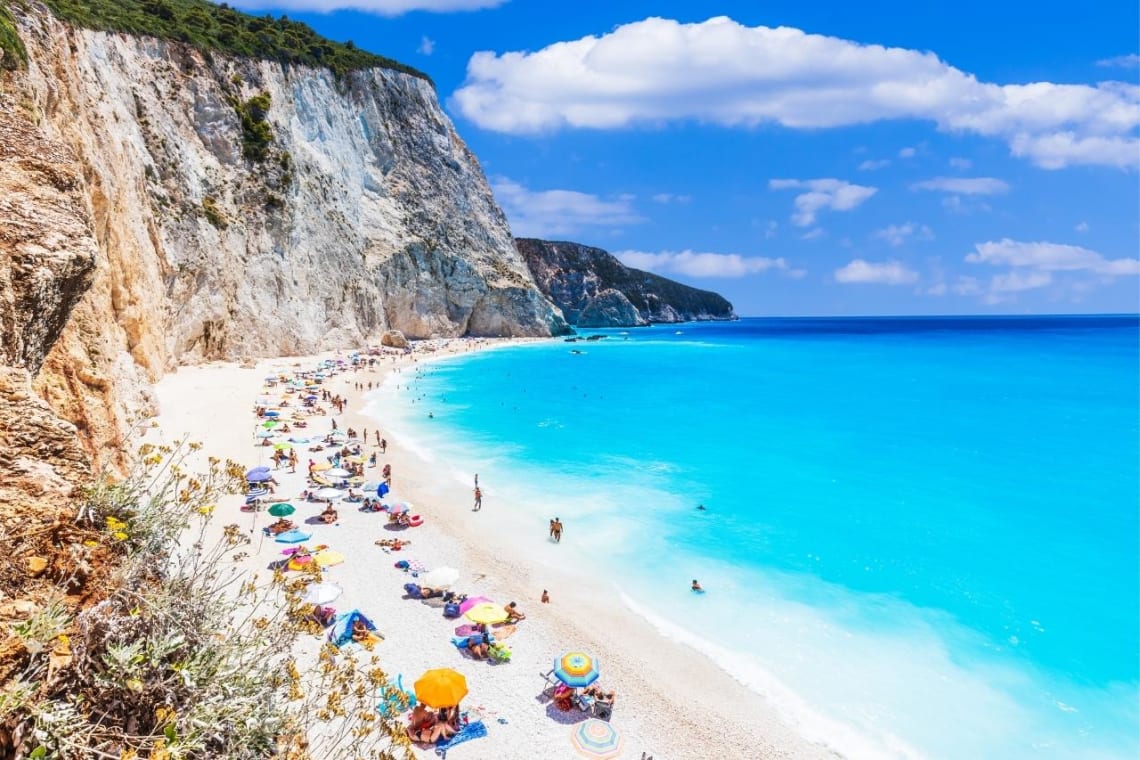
x=441, y=577
x=576, y=669
x=486, y=613
x=442, y=687
x=281, y=509
x=597, y=739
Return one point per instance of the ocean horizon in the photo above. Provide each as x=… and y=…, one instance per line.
x=920, y=535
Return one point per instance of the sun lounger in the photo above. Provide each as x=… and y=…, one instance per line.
x=552, y=683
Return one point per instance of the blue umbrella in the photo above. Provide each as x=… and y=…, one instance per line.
x=576, y=669
x=255, y=471
x=259, y=477
x=293, y=537
x=272, y=414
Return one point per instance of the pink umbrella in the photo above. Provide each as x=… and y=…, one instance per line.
x=470, y=602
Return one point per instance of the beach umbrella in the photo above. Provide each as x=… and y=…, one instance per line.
x=321, y=593
x=576, y=669
x=441, y=577
x=264, y=433
x=442, y=687
x=399, y=507
x=281, y=509
x=337, y=472
x=282, y=446
x=255, y=471
x=321, y=467
x=470, y=602
x=486, y=613
x=355, y=460
x=371, y=485
x=597, y=739
x=273, y=413
x=328, y=558
x=356, y=480
x=298, y=439
x=269, y=424
x=259, y=477
x=293, y=537
x=329, y=493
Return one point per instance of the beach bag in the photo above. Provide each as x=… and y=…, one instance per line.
x=402, y=564
x=451, y=610
x=412, y=589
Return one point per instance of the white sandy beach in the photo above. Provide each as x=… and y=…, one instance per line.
x=673, y=703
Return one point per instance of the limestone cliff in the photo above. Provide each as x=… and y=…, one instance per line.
x=241, y=208
x=594, y=289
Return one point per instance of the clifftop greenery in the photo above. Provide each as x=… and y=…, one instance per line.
x=12, y=53
x=219, y=28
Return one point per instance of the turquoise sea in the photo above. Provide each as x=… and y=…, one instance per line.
x=921, y=536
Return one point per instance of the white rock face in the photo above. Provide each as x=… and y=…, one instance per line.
x=368, y=213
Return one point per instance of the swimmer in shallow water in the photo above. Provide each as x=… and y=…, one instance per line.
x=697, y=586
x=701, y=508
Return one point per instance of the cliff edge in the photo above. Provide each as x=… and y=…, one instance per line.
x=594, y=289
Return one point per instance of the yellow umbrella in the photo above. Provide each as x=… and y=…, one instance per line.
x=321, y=466
x=355, y=460
x=442, y=687
x=328, y=558
x=486, y=612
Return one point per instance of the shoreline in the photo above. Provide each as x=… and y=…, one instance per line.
x=673, y=701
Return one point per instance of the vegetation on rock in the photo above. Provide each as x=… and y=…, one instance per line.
x=256, y=132
x=12, y=53
x=211, y=27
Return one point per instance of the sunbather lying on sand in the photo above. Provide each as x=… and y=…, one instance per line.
x=329, y=515
x=281, y=526
x=595, y=691
x=477, y=645
x=394, y=544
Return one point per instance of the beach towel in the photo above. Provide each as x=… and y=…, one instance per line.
x=471, y=731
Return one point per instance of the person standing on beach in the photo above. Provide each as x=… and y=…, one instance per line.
x=556, y=530
x=377, y=437
x=478, y=499
x=383, y=445
x=292, y=460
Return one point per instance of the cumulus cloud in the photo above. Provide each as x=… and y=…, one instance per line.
x=876, y=273
x=897, y=234
x=908, y=152
x=543, y=213
x=379, y=7
x=1013, y=282
x=1050, y=257
x=960, y=163
x=964, y=185
x=1130, y=61
x=671, y=198
x=695, y=264
x=427, y=46
x=1082, y=227
x=722, y=72
x=832, y=194
x=871, y=165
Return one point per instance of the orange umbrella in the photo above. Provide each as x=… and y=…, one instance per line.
x=442, y=687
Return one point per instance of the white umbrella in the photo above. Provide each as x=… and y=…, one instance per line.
x=398, y=507
x=329, y=493
x=321, y=593
x=441, y=577
x=337, y=472
x=265, y=434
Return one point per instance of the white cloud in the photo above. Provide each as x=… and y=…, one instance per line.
x=897, y=234
x=1082, y=227
x=427, y=46
x=937, y=289
x=1013, y=282
x=960, y=163
x=1050, y=257
x=696, y=264
x=379, y=7
x=877, y=273
x=833, y=194
x=871, y=165
x=964, y=185
x=968, y=286
x=907, y=153
x=1130, y=61
x=671, y=198
x=543, y=213
x=813, y=234
x=722, y=72
x=771, y=228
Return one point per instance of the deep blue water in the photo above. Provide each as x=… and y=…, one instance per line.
x=922, y=535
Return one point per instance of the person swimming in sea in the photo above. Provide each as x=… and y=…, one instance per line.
x=701, y=508
x=697, y=586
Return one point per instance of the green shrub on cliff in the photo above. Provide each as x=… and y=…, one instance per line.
x=14, y=55
x=210, y=27
x=256, y=133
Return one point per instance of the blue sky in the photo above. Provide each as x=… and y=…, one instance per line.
x=801, y=157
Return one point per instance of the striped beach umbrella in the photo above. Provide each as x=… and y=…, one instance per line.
x=576, y=669
x=596, y=738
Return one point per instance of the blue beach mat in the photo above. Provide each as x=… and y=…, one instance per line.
x=471, y=731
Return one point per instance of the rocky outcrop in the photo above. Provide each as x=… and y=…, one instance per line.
x=594, y=289
x=241, y=208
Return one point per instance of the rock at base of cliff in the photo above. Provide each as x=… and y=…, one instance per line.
x=394, y=338
x=610, y=308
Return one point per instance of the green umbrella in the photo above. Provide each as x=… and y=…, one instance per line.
x=282, y=445
x=281, y=510
x=269, y=424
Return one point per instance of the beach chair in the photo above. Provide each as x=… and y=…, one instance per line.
x=552, y=683
x=602, y=710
